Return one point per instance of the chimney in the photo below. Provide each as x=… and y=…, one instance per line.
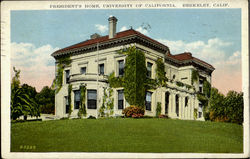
x=112, y=26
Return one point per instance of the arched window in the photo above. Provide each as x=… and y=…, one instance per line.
x=177, y=105
x=166, y=102
x=186, y=101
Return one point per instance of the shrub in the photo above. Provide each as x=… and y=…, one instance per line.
x=158, y=109
x=91, y=117
x=49, y=108
x=162, y=116
x=133, y=111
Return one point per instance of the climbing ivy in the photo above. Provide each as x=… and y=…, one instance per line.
x=204, y=97
x=160, y=73
x=135, y=76
x=107, y=107
x=115, y=82
x=69, y=99
x=206, y=88
x=180, y=84
x=195, y=76
x=61, y=63
x=82, y=109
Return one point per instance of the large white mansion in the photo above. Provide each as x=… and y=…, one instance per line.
x=93, y=59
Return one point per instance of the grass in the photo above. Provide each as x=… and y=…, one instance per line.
x=126, y=135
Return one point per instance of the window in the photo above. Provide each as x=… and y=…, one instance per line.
x=121, y=68
x=148, y=100
x=186, y=101
x=66, y=104
x=200, y=86
x=200, y=110
x=67, y=76
x=120, y=99
x=83, y=70
x=166, y=102
x=92, y=96
x=177, y=105
x=149, y=69
x=76, y=99
x=101, y=69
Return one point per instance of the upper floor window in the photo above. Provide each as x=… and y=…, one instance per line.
x=92, y=99
x=67, y=72
x=149, y=69
x=148, y=100
x=83, y=70
x=120, y=99
x=101, y=69
x=121, y=67
x=76, y=99
x=201, y=86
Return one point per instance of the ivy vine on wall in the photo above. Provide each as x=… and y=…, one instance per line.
x=135, y=76
x=195, y=76
x=69, y=99
x=204, y=97
x=82, y=109
x=115, y=82
x=61, y=63
x=160, y=73
x=107, y=107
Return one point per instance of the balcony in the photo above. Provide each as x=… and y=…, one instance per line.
x=88, y=77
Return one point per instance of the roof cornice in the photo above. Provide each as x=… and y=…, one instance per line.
x=135, y=38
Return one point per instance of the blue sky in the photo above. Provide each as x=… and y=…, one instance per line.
x=204, y=32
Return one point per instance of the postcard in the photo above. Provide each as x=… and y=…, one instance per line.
x=127, y=79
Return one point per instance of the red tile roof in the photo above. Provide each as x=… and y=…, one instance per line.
x=180, y=57
x=106, y=39
x=188, y=56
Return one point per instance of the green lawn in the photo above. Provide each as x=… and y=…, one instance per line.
x=126, y=135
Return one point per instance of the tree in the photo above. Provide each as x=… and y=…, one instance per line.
x=46, y=100
x=22, y=102
x=226, y=109
x=216, y=106
x=234, y=107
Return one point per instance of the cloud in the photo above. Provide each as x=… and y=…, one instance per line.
x=227, y=74
x=101, y=28
x=123, y=28
x=36, y=63
x=141, y=30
